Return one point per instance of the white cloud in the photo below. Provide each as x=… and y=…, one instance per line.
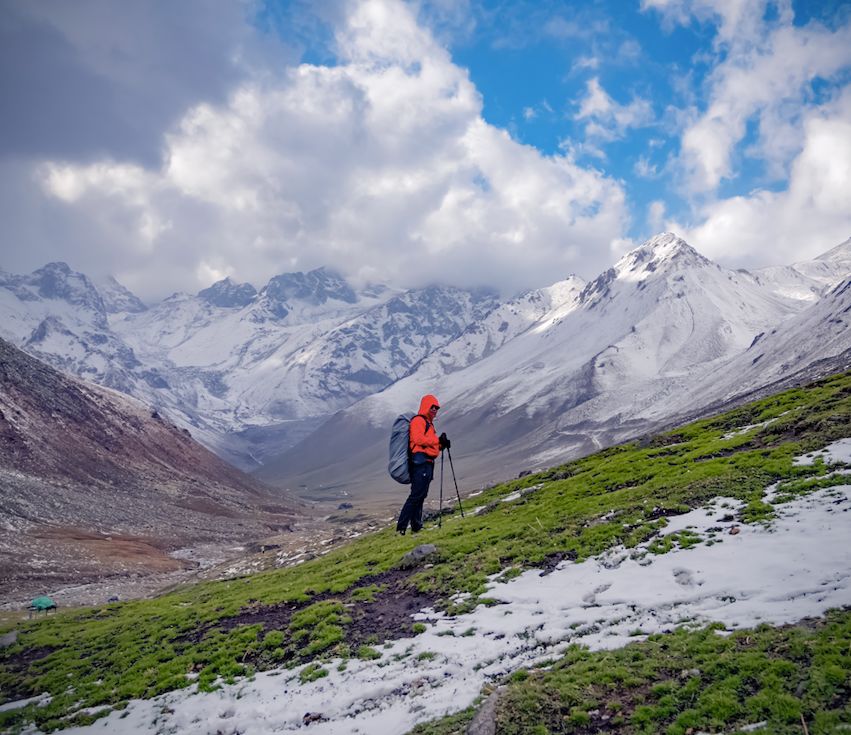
x=560, y=27
x=809, y=217
x=656, y=215
x=381, y=165
x=765, y=76
x=586, y=62
x=629, y=51
x=736, y=19
x=620, y=246
x=645, y=169
x=608, y=120
x=597, y=103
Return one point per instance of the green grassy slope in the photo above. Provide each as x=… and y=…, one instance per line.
x=330, y=606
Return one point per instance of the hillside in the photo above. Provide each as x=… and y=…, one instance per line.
x=580, y=595
x=94, y=484
x=248, y=372
x=529, y=380
x=661, y=335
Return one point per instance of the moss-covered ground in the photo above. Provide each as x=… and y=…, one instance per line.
x=319, y=609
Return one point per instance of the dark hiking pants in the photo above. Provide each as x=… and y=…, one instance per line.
x=412, y=510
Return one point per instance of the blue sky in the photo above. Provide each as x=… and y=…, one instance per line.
x=480, y=142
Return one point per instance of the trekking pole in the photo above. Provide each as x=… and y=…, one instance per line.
x=455, y=481
x=440, y=509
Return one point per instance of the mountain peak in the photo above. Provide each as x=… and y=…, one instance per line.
x=229, y=294
x=58, y=282
x=664, y=249
x=314, y=287
x=117, y=298
x=55, y=267
x=664, y=253
x=566, y=290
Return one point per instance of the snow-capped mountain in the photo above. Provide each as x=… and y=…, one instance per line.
x=508, y=320
x=246, y=371
x=62, y=317
x=818, y=340
x=229, y=294
x=116, y=298
x=266, y=369
x=628, y=353
x=808, y=280
x=555, y=372
x=52, y=291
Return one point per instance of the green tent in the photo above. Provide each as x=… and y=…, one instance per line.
x=42, y=604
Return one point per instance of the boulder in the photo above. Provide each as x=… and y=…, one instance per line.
x=419, y=555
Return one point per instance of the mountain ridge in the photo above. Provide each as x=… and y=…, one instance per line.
x=253, y=373
x=631, y=352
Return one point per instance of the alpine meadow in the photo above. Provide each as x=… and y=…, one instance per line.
x=721, y=653
x=426, y=367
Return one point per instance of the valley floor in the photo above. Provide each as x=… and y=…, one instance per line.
x=106, y=568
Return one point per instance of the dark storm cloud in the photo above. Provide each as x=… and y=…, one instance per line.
x=95, y=78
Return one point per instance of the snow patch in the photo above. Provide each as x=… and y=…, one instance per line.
x=838, y=452
x=40, y=701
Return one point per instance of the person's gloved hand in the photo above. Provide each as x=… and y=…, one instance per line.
x=443, y=441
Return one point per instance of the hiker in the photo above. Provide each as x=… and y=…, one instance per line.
x=424, y=446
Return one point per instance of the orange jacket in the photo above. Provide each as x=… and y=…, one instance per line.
x=423, y=436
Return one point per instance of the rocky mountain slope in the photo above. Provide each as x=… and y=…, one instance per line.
x=95, y=484
x=640, y=345
x=808, y=280
x=806, y=347
x=248, y=372
x=560, y=370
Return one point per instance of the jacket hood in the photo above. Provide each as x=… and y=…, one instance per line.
x=426, y=403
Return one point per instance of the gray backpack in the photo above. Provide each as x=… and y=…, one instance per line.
x=400, y=448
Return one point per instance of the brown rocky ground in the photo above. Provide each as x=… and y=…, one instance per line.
x=100, y=497
x=95, y=486
x=79, y=568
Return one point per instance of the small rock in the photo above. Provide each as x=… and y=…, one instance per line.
x=418, y=555
x=734, y=530
x=484, y=723
x=310, y=717
x=8, y=639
